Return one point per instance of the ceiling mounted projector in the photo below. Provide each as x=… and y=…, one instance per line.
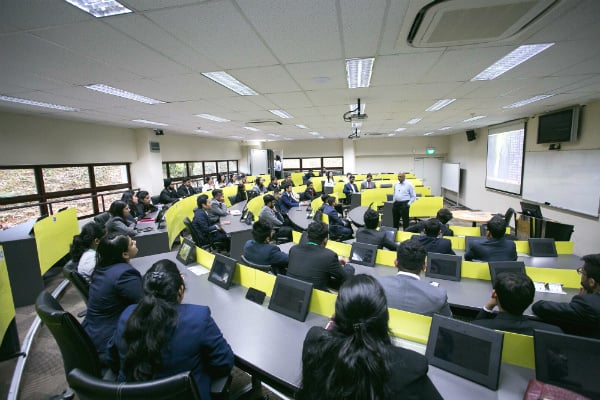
x=355, y=115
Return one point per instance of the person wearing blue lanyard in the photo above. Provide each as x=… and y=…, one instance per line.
x=404, y=196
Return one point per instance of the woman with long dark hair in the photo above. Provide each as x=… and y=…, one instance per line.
x=144, y=204
x=160, y=336
x=119, y=224
x=132, y=201
x=115, y=285
x=83, y=248
x=355, y=358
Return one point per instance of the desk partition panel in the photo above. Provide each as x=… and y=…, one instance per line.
x=7, y=306
x=176, y=213
x=341, y=249
x=518, y=350
x=53, y=237
x=426, y=207
x=410, y=326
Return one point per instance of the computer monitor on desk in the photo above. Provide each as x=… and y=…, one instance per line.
x=532, y=210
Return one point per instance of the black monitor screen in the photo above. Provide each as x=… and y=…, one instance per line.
x=542, y=247
x=468, y=352
x=291, y=297
x=222, y=271
x=364, y=254
x=444, y=266
x=470, y=240
x=532, y=210
x=498, y=267
x=570, y=362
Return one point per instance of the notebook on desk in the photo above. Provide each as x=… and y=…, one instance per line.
x=568, y=361
x=466, y=350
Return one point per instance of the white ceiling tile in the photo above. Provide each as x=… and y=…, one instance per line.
x=271, y=79
x=361, y=26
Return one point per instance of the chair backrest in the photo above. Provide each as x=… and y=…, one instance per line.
x=232, y=199
x=508, y=215
x=80, y=283
x=102, y=218
x=179, y=386
x=155, y=199
x=75, y=345
x=188, y=225
x=262, y=267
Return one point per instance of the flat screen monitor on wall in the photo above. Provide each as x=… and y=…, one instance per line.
x=558, y=126
x=505, y=149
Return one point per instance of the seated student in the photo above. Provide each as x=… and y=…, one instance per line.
x=218, y=208
x=259, y=185
x=115, y=285
x=270, y=214
x=186, y=189
x=307, y=177
x=349, y=189
x=241, y=194
x=443, y=216
x=118, y=223
x=221, y=181
x=354, y=358
x=288, y=180
x=83, y=248
x=512, y=293
x=144, y=204
x=312, y=262
x=208, y=185
x=287, y=200
x=260, y=251
x=274, y=184
x=431, y=241
x=496, y=247
x=202, y=225
x=310, y=193
x=581, y=316
x=160, y=337
x=368, y=183
x=406, y=291
x=329, y=179
x=168, y=194
x=370, y=235
x=132, y=201
x=338, y=227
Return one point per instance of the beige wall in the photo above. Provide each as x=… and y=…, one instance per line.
x=472, y=158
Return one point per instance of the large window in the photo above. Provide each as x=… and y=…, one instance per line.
x=28, y=192
x=314, y=163
x=198, y=170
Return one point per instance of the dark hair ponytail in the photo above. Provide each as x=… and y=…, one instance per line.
x=351, y=361
x=82, y=242
x=152, y=322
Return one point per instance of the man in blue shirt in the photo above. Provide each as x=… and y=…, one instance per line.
x=404, y=196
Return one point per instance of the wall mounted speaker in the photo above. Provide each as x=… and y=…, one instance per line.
x=471, y=135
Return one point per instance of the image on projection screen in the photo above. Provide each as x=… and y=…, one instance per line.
x=505, y=158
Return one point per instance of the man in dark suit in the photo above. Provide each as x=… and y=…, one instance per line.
x=369, y=234
x=186, y=189
x=168, y=194
x=443, y=215
x=312, y=262
x=512, y=294
x=406, y=291
x=582, y=315
x=260, y=251
x=202, y=225
x=431, y=241
x=367, y=184
x=338, y=227
x=496, y=247
x=350, y=188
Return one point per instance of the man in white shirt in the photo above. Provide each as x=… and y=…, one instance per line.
x=404, y=196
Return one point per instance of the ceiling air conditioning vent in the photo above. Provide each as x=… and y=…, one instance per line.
x=263, y=122
x=463, y=22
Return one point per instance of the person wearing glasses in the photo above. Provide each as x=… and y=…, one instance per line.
x=581, y=316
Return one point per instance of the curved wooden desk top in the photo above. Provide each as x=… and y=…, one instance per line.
x=472, y=216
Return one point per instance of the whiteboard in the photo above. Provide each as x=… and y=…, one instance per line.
x=258, y=162
x=451, y=176
x=564, y=179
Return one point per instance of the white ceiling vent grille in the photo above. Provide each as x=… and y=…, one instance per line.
x=463, y=22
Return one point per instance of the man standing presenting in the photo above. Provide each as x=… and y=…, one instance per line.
x=404, y=196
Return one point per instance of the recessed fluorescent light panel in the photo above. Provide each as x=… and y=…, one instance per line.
x=391, y=134
x=273, y=135
x=122, y=93
x=428, y=134
x=445, y=128
x=251, y=128
x=100, y=8
x=302, y=126
x=201, y=131
x=528, y=101
x=438, y=105
x=281, y=113
x=414, y=121
x=145, y=121
x=223, y=78
x=37, y=103
x=212, y=117
x=314, y=133
x=474, y=118
x=236, y=137
x=400, y=129
x=358, y=72
x=511, y=60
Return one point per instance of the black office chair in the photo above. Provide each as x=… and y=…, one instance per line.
x=75, y=345
x=509, y=215
x=89, y=387
x=155, y=199
x=213, y=245
x=77, y=280
x=102, y=219
x=232, y=199
x=261, y=267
